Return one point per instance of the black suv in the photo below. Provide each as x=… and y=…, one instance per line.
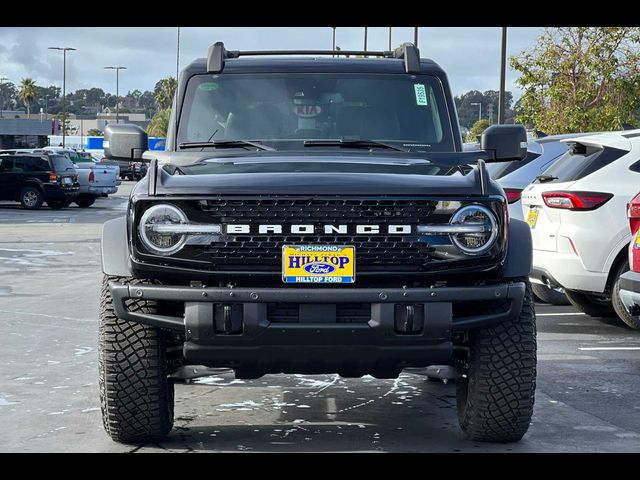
x=316, y=215
x=33, y=179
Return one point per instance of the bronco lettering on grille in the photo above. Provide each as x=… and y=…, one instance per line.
x=324, y=229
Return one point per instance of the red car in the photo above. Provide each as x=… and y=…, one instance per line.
x=630, y=282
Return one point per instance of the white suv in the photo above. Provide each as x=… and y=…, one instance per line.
x=577, y=214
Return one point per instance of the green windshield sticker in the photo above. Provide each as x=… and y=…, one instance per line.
x=421, y=94
x=208, y=87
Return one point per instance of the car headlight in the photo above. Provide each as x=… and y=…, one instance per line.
x=158, y=230
x=474, y=229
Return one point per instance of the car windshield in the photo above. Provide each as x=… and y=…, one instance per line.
x=283, y=110
x=61, y=163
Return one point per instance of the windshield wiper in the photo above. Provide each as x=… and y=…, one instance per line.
x=546, y=178
x=352, y=144
x=226, y=144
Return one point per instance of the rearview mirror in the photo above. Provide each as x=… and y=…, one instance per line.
x=504, y=143
x=124, y=141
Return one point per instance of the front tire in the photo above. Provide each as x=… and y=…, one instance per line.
x=496, y=389
x=136, y=395
x=590, y=304
x=549, y=295
x=630, y=320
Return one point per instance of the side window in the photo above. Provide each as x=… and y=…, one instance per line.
x=6, y=164
x=37, y=165
x=18, y=164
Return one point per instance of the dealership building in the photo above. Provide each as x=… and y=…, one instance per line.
x=23, y=133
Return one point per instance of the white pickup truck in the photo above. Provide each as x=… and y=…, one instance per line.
x=96, y=179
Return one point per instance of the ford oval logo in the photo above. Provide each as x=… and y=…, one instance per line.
x=319, y=268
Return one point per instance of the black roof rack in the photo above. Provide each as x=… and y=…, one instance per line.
x=407, y=52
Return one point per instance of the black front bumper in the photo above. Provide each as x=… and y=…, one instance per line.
x=321, y=345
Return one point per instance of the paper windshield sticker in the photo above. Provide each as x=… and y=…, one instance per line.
x=208, y=86
x=421, y=94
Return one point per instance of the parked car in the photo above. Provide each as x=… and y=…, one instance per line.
x=96, y=179
x=576, y=212
x=629, y=284
x=33, y=179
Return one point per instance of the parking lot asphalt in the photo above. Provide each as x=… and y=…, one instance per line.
x=586, y=400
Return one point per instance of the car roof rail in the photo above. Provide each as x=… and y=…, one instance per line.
x=407, y=51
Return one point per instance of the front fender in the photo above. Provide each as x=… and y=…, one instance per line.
x=518, y=262
x=115, y=249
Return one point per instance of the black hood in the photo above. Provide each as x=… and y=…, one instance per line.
x=303, y=174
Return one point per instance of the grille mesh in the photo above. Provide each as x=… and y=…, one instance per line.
x=374, y=252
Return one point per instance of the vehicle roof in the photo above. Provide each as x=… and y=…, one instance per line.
x=313, y=63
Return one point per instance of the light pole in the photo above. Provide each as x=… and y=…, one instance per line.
x=390, y=38
x=480, y=110
x=117, y=69
x=366, y=29
x=333, y=44
x=415, y=36
x=64, y=90
x=2, y=79
x=178, y=55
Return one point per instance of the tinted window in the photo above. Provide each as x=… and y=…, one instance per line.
x=35, y=164
x=6, y=164
x=284, y=109
x=61, y=163
x=499, y=170
x=581, y=161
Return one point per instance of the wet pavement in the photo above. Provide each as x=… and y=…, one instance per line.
x=587, y=400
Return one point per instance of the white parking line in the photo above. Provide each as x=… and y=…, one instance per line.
x=566, y=314
x=607, y=348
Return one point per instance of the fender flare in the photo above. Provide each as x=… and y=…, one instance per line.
x=114, y=248
x=519, y=259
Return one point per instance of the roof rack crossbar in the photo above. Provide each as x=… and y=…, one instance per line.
x=407, y=52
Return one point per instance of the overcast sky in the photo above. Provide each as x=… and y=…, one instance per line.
x=471, y=56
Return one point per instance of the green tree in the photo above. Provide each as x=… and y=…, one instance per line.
x=159, y=123
x=164, y=91
x=580, y=79
x=477, y=129
x=27, y=93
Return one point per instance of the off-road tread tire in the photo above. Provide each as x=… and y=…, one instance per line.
x=549, y=295
x=630, y=320
x=495, y=400
x=136, y=396
x=583, y=303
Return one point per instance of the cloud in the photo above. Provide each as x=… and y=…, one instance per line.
x=471, y=56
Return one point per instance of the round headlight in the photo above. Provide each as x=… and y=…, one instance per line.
x=481, y=232
x=155, y=229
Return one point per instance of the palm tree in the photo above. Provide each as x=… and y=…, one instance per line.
x=27, y=93
x=164, y=95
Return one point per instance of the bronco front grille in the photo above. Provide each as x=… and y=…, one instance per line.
x=374, y=252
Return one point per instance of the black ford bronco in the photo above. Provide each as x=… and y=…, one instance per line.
x=316, y=215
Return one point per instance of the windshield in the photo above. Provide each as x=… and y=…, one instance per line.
x=285, y=109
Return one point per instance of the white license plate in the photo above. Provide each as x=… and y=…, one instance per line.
x=68, y=181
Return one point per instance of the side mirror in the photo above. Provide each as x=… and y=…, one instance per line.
x=504, y=143
x=124, y=141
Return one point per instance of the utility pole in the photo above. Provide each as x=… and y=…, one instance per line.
x=2, y=79
x=490, y=113
x=503, y=67
x=64, y=90
x=117, y=69
x=415, y=36
x=390, y=38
